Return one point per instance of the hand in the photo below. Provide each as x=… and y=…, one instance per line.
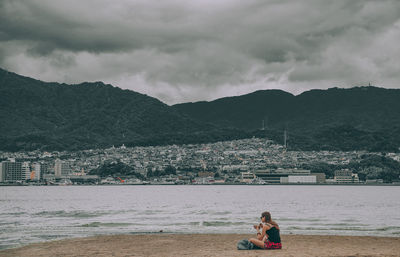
x=255, y=226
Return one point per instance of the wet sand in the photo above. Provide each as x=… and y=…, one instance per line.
x=208, y=245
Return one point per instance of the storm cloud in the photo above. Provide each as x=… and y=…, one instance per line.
x=181, y=51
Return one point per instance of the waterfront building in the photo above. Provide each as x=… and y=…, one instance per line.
x=44, y=168
x=374, y=181
x=204, y=180
x=247, y=177
x=2, y=173
x=36, y=173
x=61, y=168
x=321, y=177
x=330, y=181
x=280, y=175
x=49, y=177
x=302, y=179
x=345, y=176
x=13, y=171
x=206, y=174
x=84, y=179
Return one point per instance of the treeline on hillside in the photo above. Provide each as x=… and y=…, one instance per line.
x=122, y=170
x=116, y=169
x=340, y=138
x=371, y=166
x=169, y=170
x=81, y=142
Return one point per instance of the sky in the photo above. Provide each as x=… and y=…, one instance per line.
x=192, y=50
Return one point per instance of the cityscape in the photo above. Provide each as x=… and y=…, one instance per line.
x=247, y=161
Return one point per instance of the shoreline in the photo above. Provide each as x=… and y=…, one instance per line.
x=164, y=244
x=218, y=184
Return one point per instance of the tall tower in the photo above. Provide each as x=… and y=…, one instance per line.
x=26, y=170
x=285, y=138
x=57, y=168
x=2, y=172
x=61, y=168
x=15, y=171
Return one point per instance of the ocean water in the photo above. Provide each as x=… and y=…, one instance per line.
x=36, y=214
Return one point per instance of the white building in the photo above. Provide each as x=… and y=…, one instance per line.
x=2, y=173
x=36, y=171
x=345, y=176
x=61, y=168
x=26, y=170
x=302, y=179
x=13, y=171
x=247, y=177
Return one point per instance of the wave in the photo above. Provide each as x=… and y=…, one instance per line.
x=344, y=228
x=72, y=214
x=194, y=223
x=222, y=223
x=388, y=228
x=12, y=213
x=10, y=224
x=220, y=212
x=296, y=219
x=216, y=213
x=109, y=224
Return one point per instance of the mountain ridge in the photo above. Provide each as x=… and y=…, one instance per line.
x=370, y=114
x=49, y=115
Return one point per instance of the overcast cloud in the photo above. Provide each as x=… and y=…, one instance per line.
x=180, y=51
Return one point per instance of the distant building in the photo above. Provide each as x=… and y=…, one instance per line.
x=302, y=179
x=61, y=168
x=206, y=174
x=204, y=180
x=2, y=173
x=12, y=171
x=345, y=176
x=36, y=173
x=44, y=168
x=84, y=179
x=280, y=175
x=49, y=177
x=247, y=177
x=321, y=177
x=374, y=181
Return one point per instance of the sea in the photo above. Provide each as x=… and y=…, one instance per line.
x=31, y=214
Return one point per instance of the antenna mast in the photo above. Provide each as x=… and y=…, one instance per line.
x=285, y=138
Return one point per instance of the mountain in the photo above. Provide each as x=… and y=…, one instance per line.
x=53, y=116
x=244, y=112
x=334, y=119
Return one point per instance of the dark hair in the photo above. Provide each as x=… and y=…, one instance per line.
x=268, y=219
x=267, y=216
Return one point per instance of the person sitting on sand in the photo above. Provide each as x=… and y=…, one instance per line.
x=267, y=233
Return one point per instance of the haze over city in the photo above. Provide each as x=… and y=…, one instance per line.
x=180, y=51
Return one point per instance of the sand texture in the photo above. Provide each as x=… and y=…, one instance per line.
x=208, y=245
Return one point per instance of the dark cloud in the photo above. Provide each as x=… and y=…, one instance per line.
x=200, y=50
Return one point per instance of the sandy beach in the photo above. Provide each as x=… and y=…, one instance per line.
x=208, y=245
